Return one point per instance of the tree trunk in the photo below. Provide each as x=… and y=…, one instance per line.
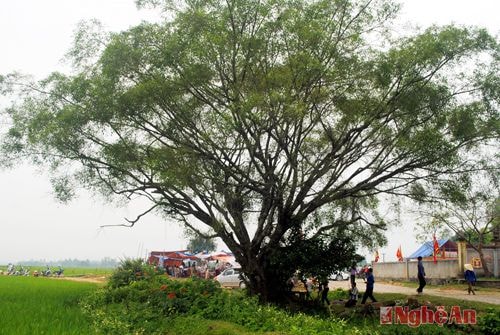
x=262, y=282
x=487, y=272
x=257, y=279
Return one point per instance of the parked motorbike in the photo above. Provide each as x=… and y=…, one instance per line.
x=46, y=273
x=10, y=269
x=59, y=272
x=21, y=271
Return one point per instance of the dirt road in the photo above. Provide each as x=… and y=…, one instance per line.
x=87, y=279
x=481, y=296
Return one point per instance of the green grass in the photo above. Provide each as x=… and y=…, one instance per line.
x=487, y=279
x=76, y=272
x=197, y=326
x=450, y=286
x=31, y=305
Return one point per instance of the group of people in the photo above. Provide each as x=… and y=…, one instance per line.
x=469, y=274
x=309, y=284
x=19, y=271
x=25, y=271
x=370, y=283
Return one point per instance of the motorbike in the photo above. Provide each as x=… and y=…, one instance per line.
x=59, y=272
x=21, y=271
x=46, y=273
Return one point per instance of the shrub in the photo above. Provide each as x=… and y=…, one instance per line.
x=145, y=306
x=130, y=270
x=490, y=322
x=143, y=303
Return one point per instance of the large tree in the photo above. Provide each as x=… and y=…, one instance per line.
x=249, y=119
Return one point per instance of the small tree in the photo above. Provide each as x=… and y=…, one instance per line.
x=468, y=206
x=472, y=222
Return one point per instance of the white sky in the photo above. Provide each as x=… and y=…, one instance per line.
x=34, y=36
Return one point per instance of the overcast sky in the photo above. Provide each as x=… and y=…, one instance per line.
x=34, y=36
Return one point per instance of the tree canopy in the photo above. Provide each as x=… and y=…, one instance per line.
x=255, y=121
x=199, y=243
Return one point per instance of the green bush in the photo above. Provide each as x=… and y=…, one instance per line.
x=490, y=322
x=145, y=306
x=130, y=270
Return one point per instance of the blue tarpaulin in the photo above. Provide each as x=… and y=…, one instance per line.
x=427, y=249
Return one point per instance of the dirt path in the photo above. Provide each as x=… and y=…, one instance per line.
x=86, y=279
x=481, y=296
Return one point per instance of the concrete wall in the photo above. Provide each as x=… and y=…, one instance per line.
x=443, y=269
x=491, y=257
x=390, y=270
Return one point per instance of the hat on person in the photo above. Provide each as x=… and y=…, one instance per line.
x=468, y=267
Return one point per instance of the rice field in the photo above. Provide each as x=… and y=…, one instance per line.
x=30, y=305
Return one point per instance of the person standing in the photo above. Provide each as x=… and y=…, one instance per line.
x=324, y=292
x=470, y=277
x=421, y=276
x=353, y=275
x=370, y=282
x=364, y=272
x=309, y=288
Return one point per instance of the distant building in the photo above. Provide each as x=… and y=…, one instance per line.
x=447, y=250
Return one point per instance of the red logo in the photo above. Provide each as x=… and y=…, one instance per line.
x=385, y=315
x=424, y=315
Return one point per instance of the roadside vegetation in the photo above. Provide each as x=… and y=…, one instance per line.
x=137, y=301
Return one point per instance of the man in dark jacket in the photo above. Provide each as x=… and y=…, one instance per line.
x=370, y=281
x=421, y=276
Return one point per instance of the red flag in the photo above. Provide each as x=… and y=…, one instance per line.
x=376, y=256
x=436, y=248
x=399, y=254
